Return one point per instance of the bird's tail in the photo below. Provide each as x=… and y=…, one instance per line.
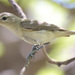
x=68, y=33
x=64, y=33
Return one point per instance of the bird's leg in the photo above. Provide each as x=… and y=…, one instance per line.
x=39, y=47
x=33, y=51
x=35, y=48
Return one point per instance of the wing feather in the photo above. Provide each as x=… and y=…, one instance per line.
x=36, y=26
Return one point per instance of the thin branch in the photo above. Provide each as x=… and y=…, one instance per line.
x=59, y=63
x=17, y=9
x=29, y=58
x=22, y=71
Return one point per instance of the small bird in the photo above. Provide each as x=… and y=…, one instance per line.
x=32, y=32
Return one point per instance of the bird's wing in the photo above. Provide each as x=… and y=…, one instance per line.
x=36, y=26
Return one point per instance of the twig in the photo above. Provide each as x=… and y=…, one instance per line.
x=29, y=58
x=17, y=9
x=59, y=63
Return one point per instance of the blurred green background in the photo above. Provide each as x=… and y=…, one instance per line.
x=14, y=50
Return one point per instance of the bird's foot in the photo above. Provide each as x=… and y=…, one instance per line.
x=35, y=48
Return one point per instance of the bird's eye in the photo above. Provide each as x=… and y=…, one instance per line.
x=4, y=18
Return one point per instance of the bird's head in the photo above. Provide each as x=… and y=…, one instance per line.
x=8, y=19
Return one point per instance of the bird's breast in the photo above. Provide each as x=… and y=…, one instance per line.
x=38, y=37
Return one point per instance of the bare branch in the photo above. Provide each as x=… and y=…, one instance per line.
x=50, y=60
x=17, y=8
x=22, y=71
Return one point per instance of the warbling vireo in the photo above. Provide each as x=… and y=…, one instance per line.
x=32, y=32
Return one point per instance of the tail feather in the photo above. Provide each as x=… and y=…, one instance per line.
x=64, y=33
x=70, y=33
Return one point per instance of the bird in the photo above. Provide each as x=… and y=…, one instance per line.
x=32, y=31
